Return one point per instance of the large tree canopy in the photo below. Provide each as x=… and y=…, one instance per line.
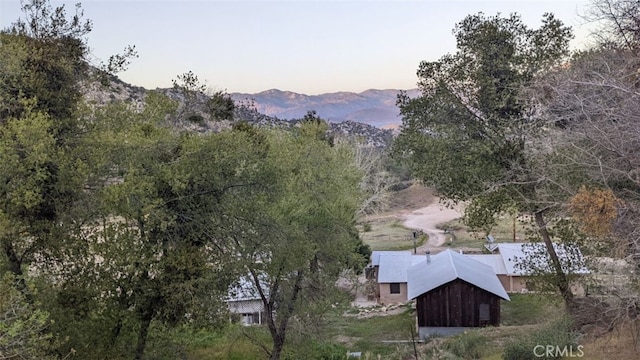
x=471, y=133
x=591, y=106
x=467, y=131
x=42, y=59
x=302, y=236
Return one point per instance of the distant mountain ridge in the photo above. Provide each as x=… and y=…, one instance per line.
x=117, y=90
x=374, y=107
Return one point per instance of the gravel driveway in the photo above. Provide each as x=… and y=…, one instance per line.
x=427, y=219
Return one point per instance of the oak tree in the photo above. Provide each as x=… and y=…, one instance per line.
x=469, y=134
x=303, y=236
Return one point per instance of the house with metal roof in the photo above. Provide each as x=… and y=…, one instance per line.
x=514, y=254
x=510, y=282
x=454, y=291
x=515, y=262
x=392, y=276
x=376, y=254
x=244, y=300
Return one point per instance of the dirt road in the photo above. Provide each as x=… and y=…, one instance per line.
x=427, y=219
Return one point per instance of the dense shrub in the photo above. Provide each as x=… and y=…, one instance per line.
x=468, y=345
x=196, y=119
x=317, y=351
x=557, y=335
x=23, y=326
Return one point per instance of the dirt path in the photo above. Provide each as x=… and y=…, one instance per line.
x=427, y=219
x=419, y=209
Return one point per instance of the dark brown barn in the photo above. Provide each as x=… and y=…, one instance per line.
x=453, y=290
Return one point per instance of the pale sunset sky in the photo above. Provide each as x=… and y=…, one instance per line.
x=309, y=47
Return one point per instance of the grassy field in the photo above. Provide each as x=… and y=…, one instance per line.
x=525, y=318
x=520, y=316
x=368, y=335
x=340, y=333
x=462, y=237
x=523, y=315
x=388, y=233
x=385, y=231
x=380, y=336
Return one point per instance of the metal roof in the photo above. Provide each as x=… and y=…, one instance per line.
x=448, y=266
x=245, y=289
x=536, y=253
x=393, y=267
x=495, y=261
x=375, y=255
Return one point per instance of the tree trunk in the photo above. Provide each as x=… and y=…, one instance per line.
x=15, y=266
x=562, y=281
x=279, y=333
x=115, y=332
x=142, y=334
x=278, y=344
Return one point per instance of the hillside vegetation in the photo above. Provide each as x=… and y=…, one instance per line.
x=130, y=217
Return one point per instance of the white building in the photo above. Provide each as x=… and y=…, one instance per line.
x=244, y=299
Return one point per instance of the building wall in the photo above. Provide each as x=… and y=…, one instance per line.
x=518, y=284
x=251, y=311
x=504, y=280
x=513, y=284
x=457, y=304
x=245, y=306
x=386, y=297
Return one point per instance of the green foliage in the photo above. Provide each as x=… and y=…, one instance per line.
x=315, y=350
x=190, y=88
x=473, y=136
x=302, y=233
x=234, y=341
x=466, y=134
x=27, y=152
x=132, y=231
x=399, y=170
x=42, y=57
x=364, y=250
x=557, y=334
x=312, y=126
x=27, y=65
x=482, y=211
x=525, y=309
x=176, y=216
x=293, y=198
x=166, y=235
x=221, y=106
x=468, y=345
x=23, y=326
x=41, y=184
x=196, y=119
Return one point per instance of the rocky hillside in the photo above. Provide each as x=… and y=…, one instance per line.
x=373, y=107
x=117, y=90
x=365, y=133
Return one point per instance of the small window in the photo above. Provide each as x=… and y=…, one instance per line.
x=394, y=288
x=484, y=312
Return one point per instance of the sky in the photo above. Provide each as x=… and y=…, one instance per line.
x=309, y=47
